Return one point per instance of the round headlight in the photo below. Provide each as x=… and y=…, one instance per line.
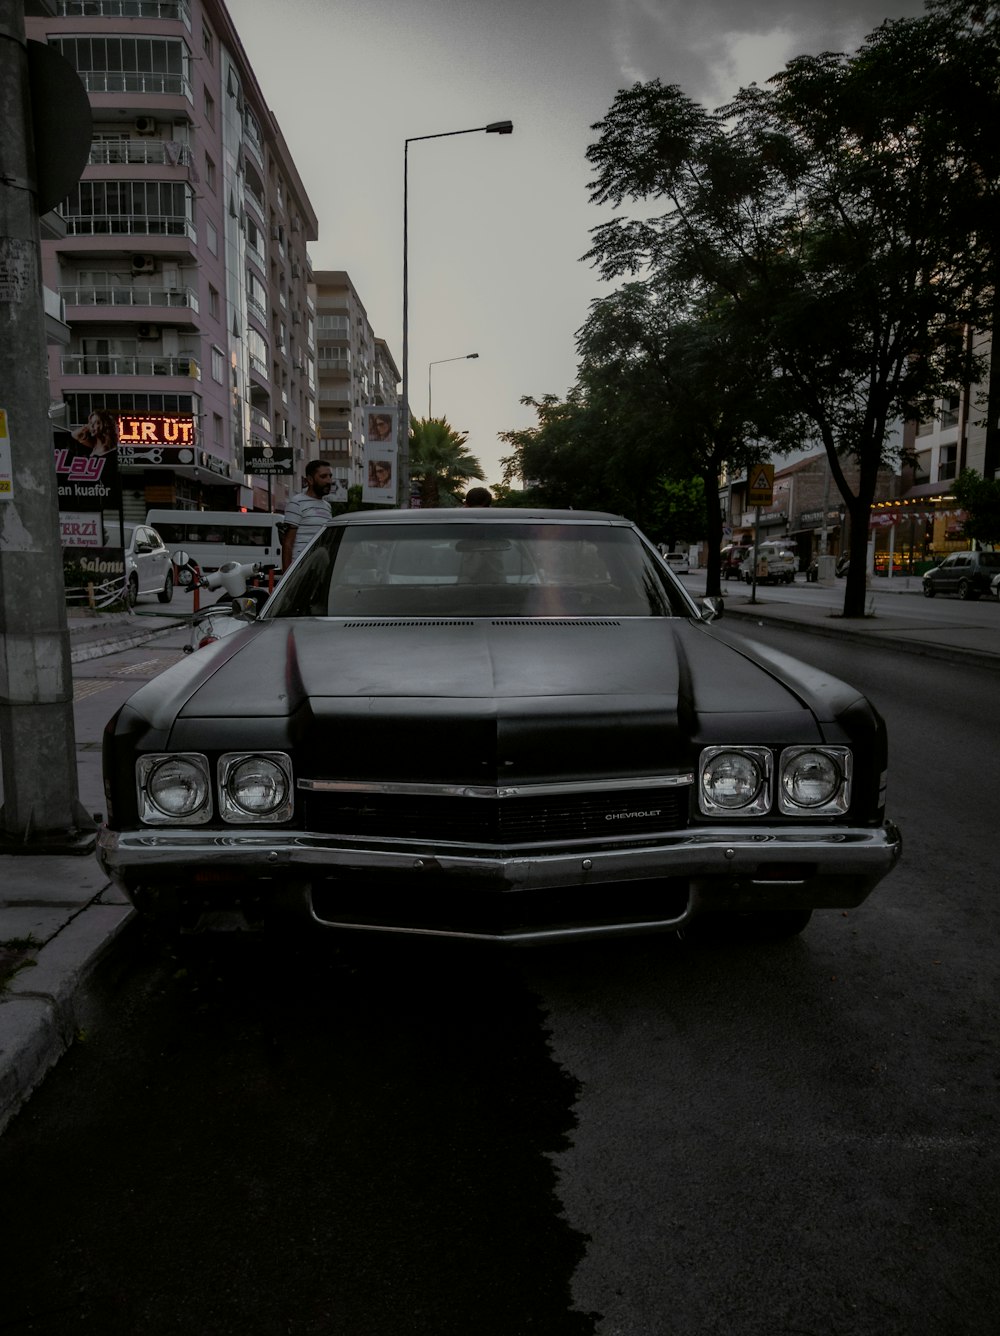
x=257, y=786
x=811, y=779
x=176, y=787
x=731, y=780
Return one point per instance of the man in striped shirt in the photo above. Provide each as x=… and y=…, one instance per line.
x=306, y=513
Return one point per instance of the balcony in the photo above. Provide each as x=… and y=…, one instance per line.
x=140, y=298
x=81, y=364
x=143, y=152
x=177, y=10
x=257, y=309
x=129, y=225
x=255, y=200
x=260, y=420
x=149, y=82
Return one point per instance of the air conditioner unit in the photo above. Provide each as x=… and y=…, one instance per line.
x=143, y=264
x=275, y=232
x=296, y=224
x=296, y=318
x=145, y=125
x=147, y=332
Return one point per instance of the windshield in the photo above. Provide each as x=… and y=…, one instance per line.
x=478, y=570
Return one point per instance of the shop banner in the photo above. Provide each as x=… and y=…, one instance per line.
x=86, y=463
x=262, y=460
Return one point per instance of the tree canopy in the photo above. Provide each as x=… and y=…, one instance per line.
x=440, y=461
x=804, y=262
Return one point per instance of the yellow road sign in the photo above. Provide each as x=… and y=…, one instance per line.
x=760, y=491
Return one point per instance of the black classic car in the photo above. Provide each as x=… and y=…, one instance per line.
x=504, y=724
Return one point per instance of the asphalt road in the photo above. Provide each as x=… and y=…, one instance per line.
x=630, y=1139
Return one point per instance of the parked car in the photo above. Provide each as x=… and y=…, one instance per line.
x=732, y=558
x=148, y=568
x=776, y=564
x=677, y=561
x=512, y=725
x=967, y=574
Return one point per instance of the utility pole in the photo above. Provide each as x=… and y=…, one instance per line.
x=41, y=810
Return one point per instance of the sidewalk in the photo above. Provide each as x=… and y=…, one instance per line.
x=59, y=916
x=900, y=619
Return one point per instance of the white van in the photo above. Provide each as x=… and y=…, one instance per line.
x=213, y=537
x=776, y=563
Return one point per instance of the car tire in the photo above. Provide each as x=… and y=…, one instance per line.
x=132, y=590
x=167, y=592
x=929, y=590
x=965, y=590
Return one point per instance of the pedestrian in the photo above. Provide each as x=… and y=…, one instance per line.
x=478, y=496
x=306, y=513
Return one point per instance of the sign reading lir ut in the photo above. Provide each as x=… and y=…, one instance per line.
x=760, y=489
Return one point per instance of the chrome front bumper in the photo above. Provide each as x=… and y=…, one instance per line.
x=725, y=868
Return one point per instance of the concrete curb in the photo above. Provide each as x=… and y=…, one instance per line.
x=45, y=1004
x=97, y=649
x=946, y=653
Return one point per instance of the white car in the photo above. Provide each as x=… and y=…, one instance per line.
x=776, y=564
x=677, y=561
x=148, y=567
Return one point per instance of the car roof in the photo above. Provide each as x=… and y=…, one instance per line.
x=478, y=515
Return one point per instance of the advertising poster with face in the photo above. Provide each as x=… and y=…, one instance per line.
x=380, y=455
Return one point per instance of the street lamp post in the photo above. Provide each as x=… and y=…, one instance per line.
x=494, y=128
x=464, y=358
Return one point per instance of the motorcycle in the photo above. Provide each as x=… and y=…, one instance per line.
x=242, y=597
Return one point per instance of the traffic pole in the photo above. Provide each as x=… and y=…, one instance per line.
x=41, y=810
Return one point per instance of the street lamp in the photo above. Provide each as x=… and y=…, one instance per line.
x=465, y=358
x=494, y=128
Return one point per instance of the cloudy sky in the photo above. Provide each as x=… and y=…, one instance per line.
x=497, y=224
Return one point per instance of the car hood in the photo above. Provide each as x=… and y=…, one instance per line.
x=486, y=701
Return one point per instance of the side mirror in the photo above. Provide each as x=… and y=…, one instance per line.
x=712, y=607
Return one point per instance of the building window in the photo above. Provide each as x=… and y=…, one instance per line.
x=209, y=108
x=133, y=208
x=211, y=238
x=128, y=64
x=207, y=43
x=949, y=411
x=213, y=302
x=209, y=173
x=218, y=365
x=947, y=462
x=217, y=430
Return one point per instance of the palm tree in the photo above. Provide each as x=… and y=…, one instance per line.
x=440, y=461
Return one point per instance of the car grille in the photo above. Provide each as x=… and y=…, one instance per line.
x=615, y=816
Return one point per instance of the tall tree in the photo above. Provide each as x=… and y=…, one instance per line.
x=693, y=396
x=830, y=209
x=440, y=461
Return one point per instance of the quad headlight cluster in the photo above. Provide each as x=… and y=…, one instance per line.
x=753, y=781
x=250, y=788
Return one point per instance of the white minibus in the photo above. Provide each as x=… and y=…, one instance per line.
x=213, y=537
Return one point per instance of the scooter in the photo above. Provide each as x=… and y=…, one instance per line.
x=241, y=600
